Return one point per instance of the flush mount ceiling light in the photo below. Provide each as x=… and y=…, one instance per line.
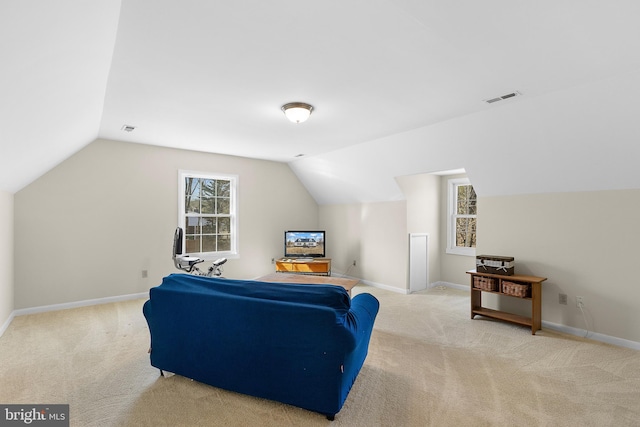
x=297, y=112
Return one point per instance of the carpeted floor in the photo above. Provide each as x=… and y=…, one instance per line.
x=428, y=365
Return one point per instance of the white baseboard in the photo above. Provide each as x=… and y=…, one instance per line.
x=7, y=323
x=383, y=286
x=66, y=305
x=569, y=330
x=607, y=339
x=620, y=342
x=76, y=304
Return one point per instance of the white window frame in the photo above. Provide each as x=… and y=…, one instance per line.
x=233, y=210
x=452, y=215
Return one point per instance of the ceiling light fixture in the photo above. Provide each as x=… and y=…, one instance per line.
x=297, y=112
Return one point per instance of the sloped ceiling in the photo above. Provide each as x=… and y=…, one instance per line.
x=398, y=88
x=55, y=58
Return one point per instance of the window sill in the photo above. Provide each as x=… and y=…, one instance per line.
x=462, y=251
x=211, y=256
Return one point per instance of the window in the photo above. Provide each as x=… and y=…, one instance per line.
x=207, y=214
x=461, y=226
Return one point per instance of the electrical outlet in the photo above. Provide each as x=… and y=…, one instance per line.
x=562, y=299
x=580, y=302
x=273, y=260
x=145, y=274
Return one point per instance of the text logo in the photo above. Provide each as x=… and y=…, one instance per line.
x=34, y=415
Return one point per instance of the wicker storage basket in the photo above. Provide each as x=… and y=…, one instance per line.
x=485, y=283
x=503, y=265
x=516, y=289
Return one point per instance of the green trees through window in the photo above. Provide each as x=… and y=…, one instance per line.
x=208, y=215
x=463, y=211
x=466, y=212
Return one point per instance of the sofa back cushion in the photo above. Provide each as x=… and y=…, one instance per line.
x=330, y=296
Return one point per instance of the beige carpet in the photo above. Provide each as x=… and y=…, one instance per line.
x=428, y=365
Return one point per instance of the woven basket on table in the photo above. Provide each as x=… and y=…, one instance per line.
x=515, y=289
x=485, y=283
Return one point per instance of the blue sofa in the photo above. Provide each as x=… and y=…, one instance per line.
x=298, y=344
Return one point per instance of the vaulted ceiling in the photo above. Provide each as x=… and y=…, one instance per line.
x=398, y=88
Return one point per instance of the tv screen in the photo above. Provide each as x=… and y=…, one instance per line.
x=304, y=244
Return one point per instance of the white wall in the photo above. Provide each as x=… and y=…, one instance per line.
x=585, y=243
x=422, y=192
x=373, y=234
x=6, y=257
x=88, y=228
x=376, y=235
x=453, y=266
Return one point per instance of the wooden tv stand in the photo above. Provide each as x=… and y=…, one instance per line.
x=534, y=295
x=319, y=266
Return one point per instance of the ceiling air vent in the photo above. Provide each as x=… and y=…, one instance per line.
x=503, y=97
x=128, y=128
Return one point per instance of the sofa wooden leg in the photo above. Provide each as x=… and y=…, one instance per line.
x=331, y=417
x=161, y=373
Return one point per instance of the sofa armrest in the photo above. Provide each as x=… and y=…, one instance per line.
x=146, y=309
x=147, y=312
x=361, y=316
x=359, y=324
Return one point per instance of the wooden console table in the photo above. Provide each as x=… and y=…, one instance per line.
x=534, y=294
x=319, y=266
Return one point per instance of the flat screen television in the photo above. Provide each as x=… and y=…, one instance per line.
x=304, y=244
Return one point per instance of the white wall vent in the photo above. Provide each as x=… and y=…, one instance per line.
x=503, y=97
x=128, y=128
